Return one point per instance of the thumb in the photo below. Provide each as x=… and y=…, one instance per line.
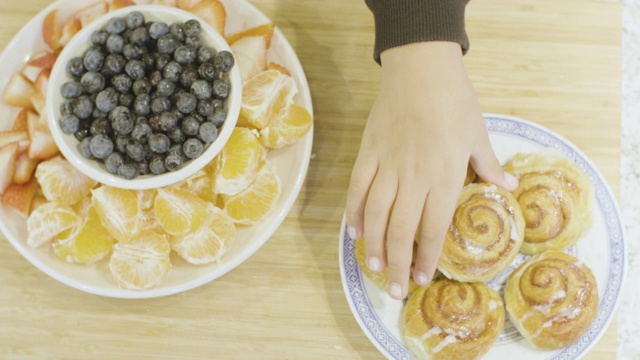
x=486, y=165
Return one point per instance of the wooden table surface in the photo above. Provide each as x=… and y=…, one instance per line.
x=556, y=63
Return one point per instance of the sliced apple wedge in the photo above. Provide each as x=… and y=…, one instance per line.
x=43, y=60
x=119, y=4
x=251, y=55
x=39, y=103
x=212, y=12
x=71, y=27
x=8, y=155
x=42, y=144
x=265, y=30
x=186, y=4
x=20, y=123
x=52, y=30
x=18, y=91
x=25, y=167
x=42, y=82
x=91, y=12
x=20, y=196
x=19, y=137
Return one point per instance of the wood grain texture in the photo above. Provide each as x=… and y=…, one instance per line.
x=556, y=63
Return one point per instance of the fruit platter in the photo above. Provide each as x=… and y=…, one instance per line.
x=163, y=90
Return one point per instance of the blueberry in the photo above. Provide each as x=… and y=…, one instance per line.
x=155, y=77
x=70, y=124
x=205, y=107
x=172, y=71
x=220, y=89
x=208, y=132
x=82, y=107
x=192, y=148
x=92, y=82
x=223, y=61
x=114, y=64
x=118, y=111
x=218, y=104
x=173, y=162
x=177, y=30
x=140, y=36
x=162, y=61
x=81, y=134
x=190, y=126
x=122, y=83
x=141, y=86
x=188, y=77
x=122, y=123
x=154, y=122
x=166, y=88
x=208, y=71
x=101, y=126
x=116, y=25
x=168, y=121
x=128, y=170
x=121, y=143
x=126, y=99
x=115, y=44
x=97, y=114
x=135, y=69
x=130, y=52
x=201, y=89
x=192, y=28
x=177, y=136
x=134, y=19
x=160, y=105
x=142, y=104
x=167, y=44
x=185, y=54
x=186, y=103
x=156, y=165
x=71, y=89
x=176, y=150
x=206, y=54
x=218, y=117
x=158, y=29
x=75, y=67
x=135, y=150
x=113, y=162
x=193, y=42
x=159, y=143
x=99, y=37
x=93, y=59
x=143, y=168
x=101, y=146
x=85, y=147
x=141, y=132
x=107, y=100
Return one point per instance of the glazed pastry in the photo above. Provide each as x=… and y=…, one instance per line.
x=552, y=299
x=485, y=234
x=452, y=320
x=555, y=197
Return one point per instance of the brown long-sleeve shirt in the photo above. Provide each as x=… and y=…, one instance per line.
x=400, y=22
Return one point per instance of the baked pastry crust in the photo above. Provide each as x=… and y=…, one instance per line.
x=452, y=320
x=552, y=299
x=555, y=196
x=485, y=234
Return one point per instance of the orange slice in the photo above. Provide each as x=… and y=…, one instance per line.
x=179, y=211
x=86, y=243
x=287, y=129
x=61, y=182
x=47, y=221
x=141, y=262
x=119, y=211
x=257, y=201
x=265, y=96
x=238, y=162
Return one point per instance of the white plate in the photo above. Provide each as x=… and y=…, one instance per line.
x=603, y=249
x=291, y=164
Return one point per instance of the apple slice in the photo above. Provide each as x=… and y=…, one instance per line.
x=19, y=137
x=43, y=60
x=212, y=12
x=18, y=91
x=20, y=196
x=186, y=4
x=31, y=72
x=8, y=155
x=119, y=4
x=282, y=69
x=69, y=29
x=165, y=2
x=42, y=81
x=52, y=30
x=265, y=30
x=42, y=144
x=251, y=55
x=20, y=123
x=91, y=12
x=25, y=167
x=39, y=103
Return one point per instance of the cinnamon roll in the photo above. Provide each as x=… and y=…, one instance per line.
x=555, y=198
x=485, y=234
x=552, y=299
x=451, y=320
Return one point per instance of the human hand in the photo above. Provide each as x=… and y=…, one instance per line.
x=423, y=130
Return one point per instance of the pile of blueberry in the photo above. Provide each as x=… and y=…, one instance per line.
x=146, y=96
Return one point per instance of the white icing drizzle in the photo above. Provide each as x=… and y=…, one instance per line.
x=558, y=295
x=493, y=304
x=433, y=331
x=450, y=339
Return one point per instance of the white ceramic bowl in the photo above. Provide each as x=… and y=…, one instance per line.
x=69, y=145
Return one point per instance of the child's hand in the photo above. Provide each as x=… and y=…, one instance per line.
x=424, y=128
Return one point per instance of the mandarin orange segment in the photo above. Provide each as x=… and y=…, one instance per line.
x=239, y=162
x=265, y=96
x=257, y=201
x=61, y=182
x=179, y=211
x=47, y=221
x=141, y=262
x=119, y=210
x=208, y=243
x=86, y=243
x=287, y=129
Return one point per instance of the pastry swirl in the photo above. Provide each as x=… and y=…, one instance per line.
x=485, y=234
x=555, y=198
x=452, y=320
x=552, y=299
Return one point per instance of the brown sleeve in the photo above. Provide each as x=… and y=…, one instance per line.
x=400, y=22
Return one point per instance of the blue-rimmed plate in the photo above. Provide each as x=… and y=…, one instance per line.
x=603, y=249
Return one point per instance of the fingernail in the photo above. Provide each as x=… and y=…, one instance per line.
x=421, y=278
x=512, y=182
x=395, y=291
x=374, y=264
x=351, y=230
